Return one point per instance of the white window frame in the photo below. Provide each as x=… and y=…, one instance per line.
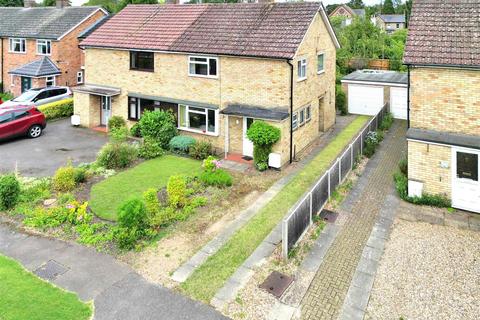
x=308, y=113
x=323, y=62
x=187, y=119
x=13, y=41
x=301, y=117
x=50, y=79
x=79, y=77
x=47, y=44
x=295, y=121
x=12, y=80
x=207, y=63
x=301, y=65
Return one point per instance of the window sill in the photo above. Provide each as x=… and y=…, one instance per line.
x=301, y=79
x=15, y=52
x=199, y=132
x=321, y=72
x=42, y=54
x=202, y=76
x=143, y=70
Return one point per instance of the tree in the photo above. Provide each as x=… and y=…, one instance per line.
x=331, y=7
x=388, y=7
x=109, y=5
x=49, y=3
x=11, y=3
x=356, y=4
x=123, y=3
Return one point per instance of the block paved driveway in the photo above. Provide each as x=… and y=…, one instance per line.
x=327, y=292
x=42, y=156
x=118, y=291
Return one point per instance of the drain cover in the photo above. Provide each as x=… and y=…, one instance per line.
x=50, y=270
x=247, y=158
x=276, y=283
x=329, y=216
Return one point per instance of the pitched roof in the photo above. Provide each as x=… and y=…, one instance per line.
x=41, y=22
x=88, y=31
x=39, y=68
x=392, y=18
x=444, y=32
x=247, y=29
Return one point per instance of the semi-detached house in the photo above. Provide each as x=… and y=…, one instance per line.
x=443, y=56
x=217, y=67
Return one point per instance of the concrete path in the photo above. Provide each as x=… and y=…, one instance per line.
x=328, y=290
x=118, y=291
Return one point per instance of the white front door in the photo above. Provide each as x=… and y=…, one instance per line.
x=398, y=102
x=247, y=144
x=465, y=179
x=363, y=99
x=106, y=106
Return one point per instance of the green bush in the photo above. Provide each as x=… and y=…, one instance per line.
x=181, y=144
x=263, y=136
x=127, y=238
x=159, y=125
x=150, y=149
x=80, y=175
x=117, y=155
x=201, y=150
x=211, y=164
x=387, y=122
x=57, y=109
x=135, y=130
x=64, y=179
x=371, y=143
x=119, y=134
x=46, y=218
x=133, y=214
x=9, y=191
x=116, y=122
x=403, y=166
x=217, y=178
x=5, y=96
x=177, y=191
x=151, y=203
x=341, y=100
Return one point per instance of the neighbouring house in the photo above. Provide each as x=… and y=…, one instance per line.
x=389, y=22
x=444, y=110
x=369, y=90
x=39, y=45
x=217, y=68
x=348, y=13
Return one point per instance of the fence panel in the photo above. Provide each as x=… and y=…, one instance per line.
x=299, y=222
x=334, y=176
x=320, y=194
x=346, y=164
x=356, y=147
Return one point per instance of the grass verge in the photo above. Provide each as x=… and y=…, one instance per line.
x=210, y=277
x=107, y=195
x=24, y=296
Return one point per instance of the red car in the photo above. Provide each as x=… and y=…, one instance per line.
x=21, y=120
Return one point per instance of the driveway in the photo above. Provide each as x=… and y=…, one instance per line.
x=42, y=156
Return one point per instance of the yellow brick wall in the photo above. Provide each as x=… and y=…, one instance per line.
x=424, y=165
x=446, y=100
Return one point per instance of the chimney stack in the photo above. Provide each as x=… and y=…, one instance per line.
x=29, y=3
x=62, y=4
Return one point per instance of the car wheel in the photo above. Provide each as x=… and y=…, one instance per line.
x=35, y=131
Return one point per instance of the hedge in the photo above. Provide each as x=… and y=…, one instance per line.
x=57, y=109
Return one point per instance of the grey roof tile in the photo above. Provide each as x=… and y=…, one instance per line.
x=257, y=112
x=39, y=68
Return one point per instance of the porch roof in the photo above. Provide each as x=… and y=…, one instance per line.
x=98, y=90
x=39, y=68
x=454, y=139
x=276, y=114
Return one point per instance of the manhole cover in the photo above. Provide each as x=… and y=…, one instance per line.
x=276, y=283
x=247, y=158
x=63, y=149
x=329, y=216
x=50, y=270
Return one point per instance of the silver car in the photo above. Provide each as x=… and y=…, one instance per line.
x=39, y=96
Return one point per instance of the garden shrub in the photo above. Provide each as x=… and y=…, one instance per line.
x=387, y=122
x=201, y=150
x=218, y=178
x=119, y=134
x=117, y=155
x=211, y=164
x=127, y=238
x=78, y=213
x=116, y=122
x=403, y=166
x=9, y=191
x=135, y=130
x=181, y=144
x=434, y=200
x=57, y=109
x=5, y=96
x=151, y=203
x=64, y=179
x=133, y=214
x=198, y=202
x=150, y=149
x=263, y=136
x=177, y=191
x=46, y=218
x=80, y=175
x=159, y=125
x=371, y=143
x=341, y=100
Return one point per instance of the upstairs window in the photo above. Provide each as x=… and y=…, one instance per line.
x=17, y=45
x=302, y=69
x=320, y=63
x=142, y=61
x=203, y=66
x=44, y=47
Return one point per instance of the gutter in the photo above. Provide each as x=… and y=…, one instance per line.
x=291, y=109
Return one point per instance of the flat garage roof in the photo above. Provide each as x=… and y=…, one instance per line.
x=379, y=76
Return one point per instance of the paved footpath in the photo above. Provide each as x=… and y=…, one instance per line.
x=118, y=291
x=326, y=294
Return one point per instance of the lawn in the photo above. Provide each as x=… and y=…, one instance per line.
x=107, y=195
x=24, y=296
x=211, y=276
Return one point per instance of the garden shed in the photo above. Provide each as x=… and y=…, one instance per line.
x=368, y=90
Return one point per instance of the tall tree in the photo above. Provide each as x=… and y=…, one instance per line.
x=109, y=5
x=49, y=3
x=123, y=3
x=11, y=3
x=356, y=4
x=388, y=7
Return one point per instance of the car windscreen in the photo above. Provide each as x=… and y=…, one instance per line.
x=26, y=96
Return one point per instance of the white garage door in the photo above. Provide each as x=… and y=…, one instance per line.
x=398, y=102
x=366, y=100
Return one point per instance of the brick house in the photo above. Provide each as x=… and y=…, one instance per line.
x=217, y=67
x=348, y=13
x=389, y=22
x=444, y=110
x=44, y=50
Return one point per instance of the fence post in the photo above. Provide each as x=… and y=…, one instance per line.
x=311, y=207
x=340, y=171
x=285, y=239
x=351, y=153
x=328, y=184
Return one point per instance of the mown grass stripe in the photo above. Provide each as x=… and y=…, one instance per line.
x=211, y=276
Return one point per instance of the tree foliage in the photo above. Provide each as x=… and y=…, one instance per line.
x=356, y=4
x=388, y=7
x=11, y=3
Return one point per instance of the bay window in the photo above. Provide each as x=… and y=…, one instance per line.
x=197, y=119
x=202, y=66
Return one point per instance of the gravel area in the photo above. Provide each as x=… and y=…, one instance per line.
x=427, y=272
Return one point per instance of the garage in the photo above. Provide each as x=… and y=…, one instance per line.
x=369, y=90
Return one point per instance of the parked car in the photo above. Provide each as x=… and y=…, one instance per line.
x=39, y=96
x=21, y=120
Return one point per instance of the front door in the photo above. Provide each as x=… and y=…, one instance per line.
x=106, y=105
x=26, y=84
x=465, y=179
x=247, y=144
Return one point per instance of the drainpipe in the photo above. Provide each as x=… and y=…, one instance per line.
x=291, y=110
x=1, y=62
x=408, y=96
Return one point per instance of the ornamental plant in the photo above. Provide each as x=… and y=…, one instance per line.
x=211, y=164
x=159, y=125
x=263, y=136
